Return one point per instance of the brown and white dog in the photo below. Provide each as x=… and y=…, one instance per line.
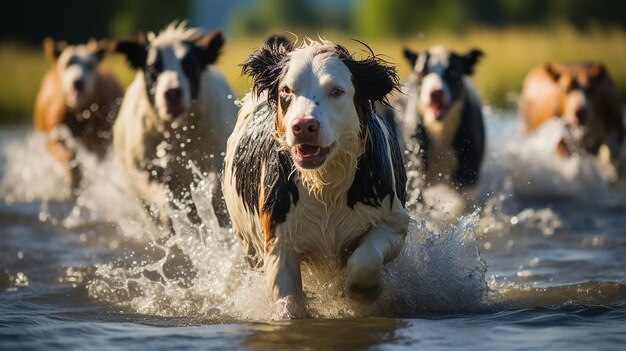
x=178, y=111
x=581, y=94
x=311, y=172
x=78, y=93
x=440, y=112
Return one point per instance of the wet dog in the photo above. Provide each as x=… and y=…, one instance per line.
x=584, y=96
x=77, y=103
x=311, y=172
x=439, y=116
x=176, y=116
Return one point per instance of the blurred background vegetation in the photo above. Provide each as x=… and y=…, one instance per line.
x=515, y=34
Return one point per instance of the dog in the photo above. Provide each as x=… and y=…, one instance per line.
x=311, y=172
x=439, y=116
x=584, y=96
x=176, y=115
x=79, y=95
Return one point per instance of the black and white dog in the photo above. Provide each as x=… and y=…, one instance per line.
x=441, y=112
x=178, y=111
x=311, y=172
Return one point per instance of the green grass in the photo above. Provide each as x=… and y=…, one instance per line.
x=509, y=55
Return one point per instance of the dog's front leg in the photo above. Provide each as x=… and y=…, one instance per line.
x=364, y=269
x=284, y=280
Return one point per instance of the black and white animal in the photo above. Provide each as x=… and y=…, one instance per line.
x=441, y=112
x=178, y=111
x=311, y=172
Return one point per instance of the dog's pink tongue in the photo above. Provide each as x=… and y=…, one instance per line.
x=439, y=109
x=308, y=150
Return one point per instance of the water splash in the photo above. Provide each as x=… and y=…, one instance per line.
x=28, y=172
x=436, y=272
x=528, y=166
x=199, y=272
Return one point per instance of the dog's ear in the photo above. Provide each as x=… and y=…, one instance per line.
x=553, y=71
x=52, y=50
x=373, y=78
x=210, y=46
x=266, y=65
x=411, y=56
x=134, y=50
x=99, y=48
x=470, y=60
x=597, y=71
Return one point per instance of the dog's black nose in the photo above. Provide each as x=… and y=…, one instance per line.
x=173, y=96
x=78, y=85
x=581, y=115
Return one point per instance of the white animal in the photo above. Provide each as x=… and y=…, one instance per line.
x=177, y=111
x=311, y=172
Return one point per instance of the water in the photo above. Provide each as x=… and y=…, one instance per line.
x=539, y=261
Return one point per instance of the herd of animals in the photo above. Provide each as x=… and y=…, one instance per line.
x=311, y=160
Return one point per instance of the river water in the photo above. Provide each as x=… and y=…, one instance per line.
x=537, y=261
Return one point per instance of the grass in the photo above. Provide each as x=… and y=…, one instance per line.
x=509, y=55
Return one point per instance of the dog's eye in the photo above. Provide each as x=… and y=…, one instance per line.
x=336, y=92
x=285, y=90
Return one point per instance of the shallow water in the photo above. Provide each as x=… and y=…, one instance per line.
x=539, y=261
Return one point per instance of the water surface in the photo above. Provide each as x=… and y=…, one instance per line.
x=538, y=262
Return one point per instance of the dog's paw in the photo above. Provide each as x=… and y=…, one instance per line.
x=363, y=275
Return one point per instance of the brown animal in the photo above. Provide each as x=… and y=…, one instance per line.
x=79, y=94
x=583, y=95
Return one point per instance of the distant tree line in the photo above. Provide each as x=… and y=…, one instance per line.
x=376, y=17
x=401, y=17
x=78, y=20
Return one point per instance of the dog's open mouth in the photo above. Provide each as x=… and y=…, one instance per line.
x=309, y=156
x=439, y=109
x=76, y=96
x=175, y=110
